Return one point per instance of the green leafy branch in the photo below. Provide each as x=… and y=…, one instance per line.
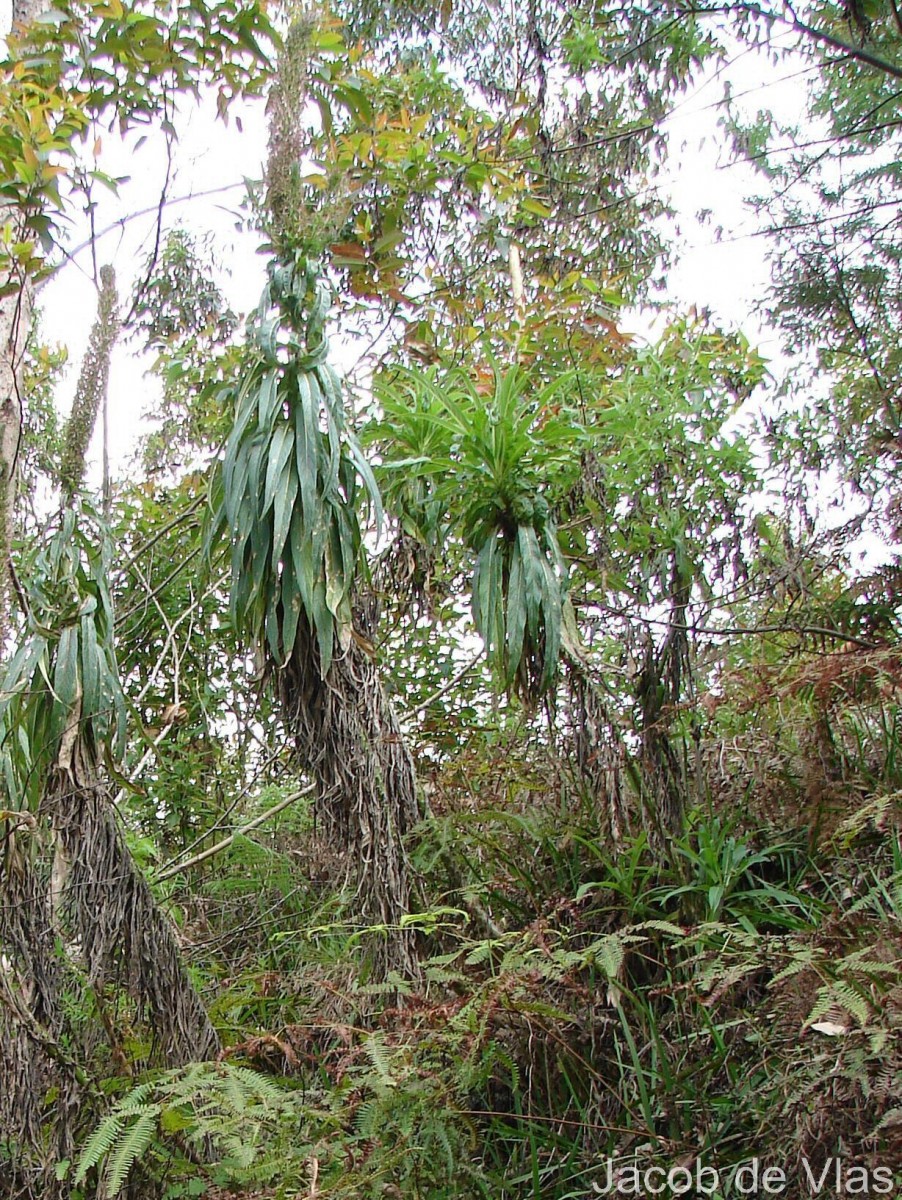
x=63, y=681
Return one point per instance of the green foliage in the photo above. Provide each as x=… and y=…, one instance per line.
x=585, y=985
x=664, y=459
x=41, y=426
x=181, y=297
x=727, y=880
x=62, y=684
x=220, y=1105
x=51, y=91
x=456, y=174
x=289, y=488
x=489, y=456
x=182, y=317
x=836, y=263
x=39, y=121
x=535, y=1055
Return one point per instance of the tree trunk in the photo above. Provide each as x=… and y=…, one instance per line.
x=15, y=321
x=25, y=11
x=15, y=324
x=347, y=734
x=89, y=921
x=122, y=937
x=33, y=1030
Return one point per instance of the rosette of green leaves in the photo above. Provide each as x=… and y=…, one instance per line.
x=490, y=457
x=289, y=484
x=63, y=679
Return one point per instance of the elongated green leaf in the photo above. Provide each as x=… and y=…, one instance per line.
x=291, y=612
x=257, y=462
x=246, y=409
x=487, y=596
x=332, y=400
x=533, y=577
x=268, y=400
x=302, y=560
x=324, y=625
x=21, y=670
x=336, y=583
x=65, y=675
x=281, y=447
x=283, y=507
x=235, y=472
x=516, y=612
x=92, y=665
x=266, y=337
x=306, y=426
x=273, y=629
x=369, y=481
x=65, y=685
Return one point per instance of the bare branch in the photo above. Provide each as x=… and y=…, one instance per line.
x=224, y=844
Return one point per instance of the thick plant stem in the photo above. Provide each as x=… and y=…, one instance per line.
x=34, y=1030
x=124, y=938
x=15, y=320
x=345, y=730
x=347, y=734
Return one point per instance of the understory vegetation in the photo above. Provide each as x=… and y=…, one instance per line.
x=476, y=774
x=739, y=997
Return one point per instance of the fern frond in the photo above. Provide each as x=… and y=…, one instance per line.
x=890, y=1120
x=130, y=1148
x=801, y=961
x=257, y=1085
x=213, y=1104
x=235, y=1095
x=377, y=1052
x=241, y=1148
x=610, y=953
x=134, y=1102
x=839, y=995
x=99, y=1144
x=366, y=1119
x=483, y=951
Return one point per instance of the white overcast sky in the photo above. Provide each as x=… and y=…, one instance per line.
x=727, y=273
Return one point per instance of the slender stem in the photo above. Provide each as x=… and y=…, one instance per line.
x=896, y=14
x=793, y=21
x=107, y=486
x=515, y=268
x=445, y=688
x=224, y=844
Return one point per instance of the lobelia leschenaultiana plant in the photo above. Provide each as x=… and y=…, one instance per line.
x=288, y=501
x=487, y=461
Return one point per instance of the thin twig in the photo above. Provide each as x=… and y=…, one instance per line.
x=445, y=688
x=794, y=22
x=896, y=14
x=220, y=822
x=158, y=233
x=161, y=533
x=145, y=759
x=121, y=222
x=224, y=844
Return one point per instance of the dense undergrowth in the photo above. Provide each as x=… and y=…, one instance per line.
x=585, y=1005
